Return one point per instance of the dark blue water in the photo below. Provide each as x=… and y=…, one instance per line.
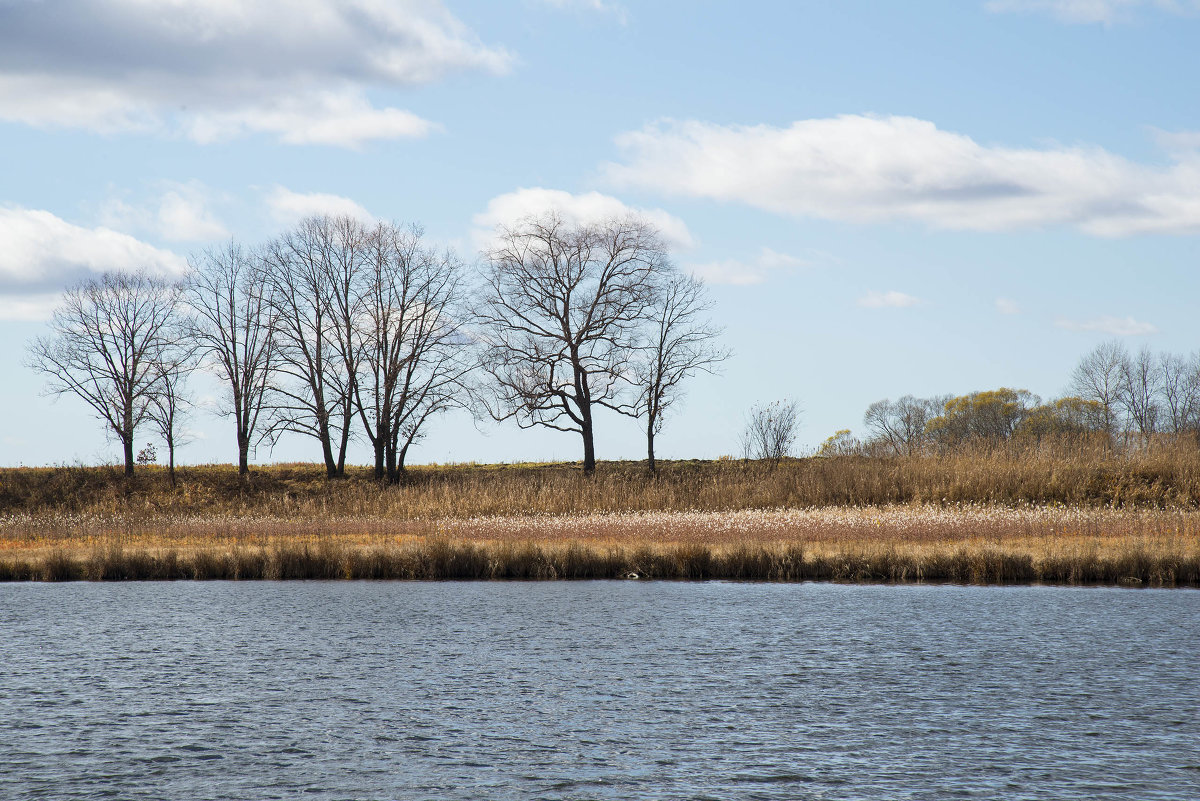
x=597, y=690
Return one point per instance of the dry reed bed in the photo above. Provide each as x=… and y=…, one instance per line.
x=1081, y=476
x=965, y=543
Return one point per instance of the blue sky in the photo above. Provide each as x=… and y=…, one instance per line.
x=886, y=198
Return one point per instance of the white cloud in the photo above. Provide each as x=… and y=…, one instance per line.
x=28, y=308
x=287, y=206
x=42, y=251
x=181, y=213
x=1114, y=326
x=42, y=254
x=887, y=300
x=743, y=273
x=346, y=119
x=870, y=169
x=511, y=207
x=1006, y=306
x=183, y=216
x=1090, y=11
x=298, y=69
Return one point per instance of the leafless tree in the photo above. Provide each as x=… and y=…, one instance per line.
x=770, y=430
x=679, y=342
x=413, y=355
x=170, y=402
x=107, y=344
x=1180, y=379
x=1138, y=392
x=310, y=271
x=232, y=324
x=559, y=315
x=1098, y=377
x=901, y=426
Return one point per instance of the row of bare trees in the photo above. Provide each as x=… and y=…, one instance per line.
x=1117, y=396
x=341, y=330
x=1142, y=393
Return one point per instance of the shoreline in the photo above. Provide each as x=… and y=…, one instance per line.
x=1164, y=560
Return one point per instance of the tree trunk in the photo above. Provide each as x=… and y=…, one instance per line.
x=341, y=462
x=589, y=448
x=171, y=461
x=127, y=444
x=327, y=451
x=243, y=455
x=380, y=457
x=650, y=447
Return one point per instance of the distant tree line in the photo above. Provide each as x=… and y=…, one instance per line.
x=1115, y=397
x=340, y=330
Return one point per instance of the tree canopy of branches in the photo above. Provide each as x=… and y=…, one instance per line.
x=679, y=342
x=310, y=272
x=1138, y=392
x=108, y=344
x=1098, y=377
x=559, y=317
x=170, y=403
x=414, y=356
x=1068, y=417
x=900, y=426
x=232, y=323
x=1180, y=382
x=770, y=430
x=989, y=416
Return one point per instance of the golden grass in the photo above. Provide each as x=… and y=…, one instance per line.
x=1167, y=478
x=1059, y=515
x=970, y=544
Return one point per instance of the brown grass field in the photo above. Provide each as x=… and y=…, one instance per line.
x=1084, y=517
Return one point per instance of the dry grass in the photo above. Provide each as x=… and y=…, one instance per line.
x=1163, y=477
x=1016, y=516
x=972, y=544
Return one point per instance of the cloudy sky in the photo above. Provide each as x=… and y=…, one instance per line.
x=885, y=198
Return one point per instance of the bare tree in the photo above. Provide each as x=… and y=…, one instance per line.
x=310, y=271
x=680, y=341
x=1139, y=391
x=1180, y=384
x=232, y=325
x=901, y=426
x=770, y=430
x=1098, y=377
x=413, y=354
x=170, y=403
x=559, y=315
x=107, y=344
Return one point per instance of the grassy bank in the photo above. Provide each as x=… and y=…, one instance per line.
x=1082, y=476
x=1150, y=563
x=1083, y=518
x=968, y=544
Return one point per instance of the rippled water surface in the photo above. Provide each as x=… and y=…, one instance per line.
x=597, y=690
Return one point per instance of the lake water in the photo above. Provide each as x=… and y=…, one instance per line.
x=597, y=690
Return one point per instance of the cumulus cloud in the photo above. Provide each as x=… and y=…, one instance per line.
x=887, y=300
x=1114, y=326
x=43, y=253
x=28, y=308
x=297, y=69
x=1091, y=11
x=1006, y=306
x=180, y=213
x=511, y=207
x=871, y=168
x=288, y=207
x=746, y=272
